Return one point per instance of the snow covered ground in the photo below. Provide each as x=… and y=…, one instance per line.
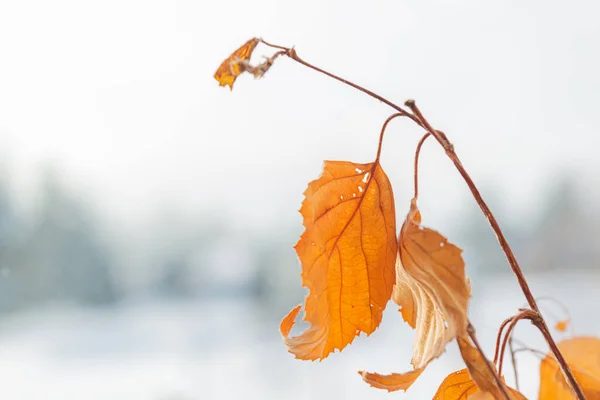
x=176, y=350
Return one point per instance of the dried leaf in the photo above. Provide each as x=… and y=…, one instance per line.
x=459, y=386
x=433, y=291
x=433, y=272
x=475, y=382
x=235, y=64
x=583, y=356
x=391, y=382
x=480, y=373
x=561, y=326
x=347, y=252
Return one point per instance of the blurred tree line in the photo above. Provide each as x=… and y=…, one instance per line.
x=559, y=233
x=59, y=252
x=55, y=254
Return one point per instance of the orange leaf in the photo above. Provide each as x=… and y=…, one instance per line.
x=391, y=382
x=514, y=395
x=432, y=289
x=583, y=356
x=561, y=326
x=347, y=252
x=235, y=64
x=459, y=386
x=456, y=386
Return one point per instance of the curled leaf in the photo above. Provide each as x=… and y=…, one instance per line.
x=391, y=382
x=347, y=253
x=235, y=64
x=583, y=356
x=432, y=289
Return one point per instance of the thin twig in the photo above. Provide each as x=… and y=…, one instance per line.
x=525, y=314
x=291, y=53
x=383, y=128
x=534, y=351
x=417, y=153
x=499, y=337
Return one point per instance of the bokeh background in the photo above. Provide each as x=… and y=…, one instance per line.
x=147, y=216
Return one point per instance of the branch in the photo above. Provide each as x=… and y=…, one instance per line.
x=417, y=117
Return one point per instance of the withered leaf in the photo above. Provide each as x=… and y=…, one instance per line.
x=459, y=386
x=432, y=289
x=583, y=356
x=432, y=270
x=391, y=382
x=347, y=251
x=235, y=64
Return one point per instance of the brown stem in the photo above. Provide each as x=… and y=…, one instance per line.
x=417, y=153
x=488, y=364
x=514, y=264
x=291, y=53
x=383, y=128
x=525, y=314
x=499, y=337
x=418, y=118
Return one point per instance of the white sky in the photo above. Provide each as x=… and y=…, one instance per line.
x=120, y=95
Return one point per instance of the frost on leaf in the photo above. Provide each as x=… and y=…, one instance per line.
x=347, y=251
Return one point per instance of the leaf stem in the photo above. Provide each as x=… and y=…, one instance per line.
x=383, y=128
x=418, y=118
x=499, y=337
x=525, y=314
x=291, y=53
x=417, y=153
